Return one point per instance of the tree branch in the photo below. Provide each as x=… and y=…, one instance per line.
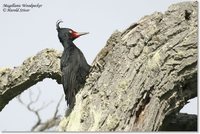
x=180, y=122
x=53, y=121
x=142, y=76
x=39, y=125
x=46, y=64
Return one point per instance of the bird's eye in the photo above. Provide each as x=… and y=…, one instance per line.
x=70, y=31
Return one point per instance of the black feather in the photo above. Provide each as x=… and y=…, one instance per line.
x=74, y=66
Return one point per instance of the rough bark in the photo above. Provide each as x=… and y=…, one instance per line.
x=140, y=78
x=46, y=64
x=180, y=122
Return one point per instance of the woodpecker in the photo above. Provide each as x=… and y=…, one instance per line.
x=74, y=66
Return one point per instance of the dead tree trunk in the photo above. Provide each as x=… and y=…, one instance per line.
x=143, y=74
x=139, y=80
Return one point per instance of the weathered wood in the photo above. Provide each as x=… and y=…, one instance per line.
x=142, y=75
x=180, y=122
x=46, y=64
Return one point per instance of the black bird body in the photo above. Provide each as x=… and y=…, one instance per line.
x=74, y=66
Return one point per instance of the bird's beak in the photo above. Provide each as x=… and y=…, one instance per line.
x=78, y=34
x=81, y=33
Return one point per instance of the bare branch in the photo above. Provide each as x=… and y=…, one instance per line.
x=31, y=102
x=57, y=107
x=54, y=121
x=20, y=100
x=140, y=77
x=44, y=106
x=38, y=121
x=39, y=125
x=37, y=97
x=28, y=106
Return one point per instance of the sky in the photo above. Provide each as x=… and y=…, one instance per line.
x=24, y=34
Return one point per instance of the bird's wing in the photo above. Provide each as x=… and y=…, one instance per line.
x=83, y=69
x=74, y=69
x=69, y=70
x=69, y=83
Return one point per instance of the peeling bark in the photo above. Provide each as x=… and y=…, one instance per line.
x=140, y=78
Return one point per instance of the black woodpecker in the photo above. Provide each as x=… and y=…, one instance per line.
x=74, y=66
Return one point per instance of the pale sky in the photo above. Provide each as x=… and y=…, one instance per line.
x=25, y=34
